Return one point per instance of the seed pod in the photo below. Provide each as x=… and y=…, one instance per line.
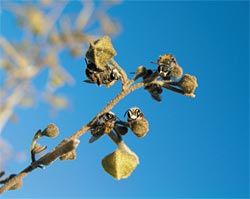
x=51, y=131
x=188, y=83
x=137, y=122
x=100, y=52
x=121, y=163
x=140, y=127
x=176, y=71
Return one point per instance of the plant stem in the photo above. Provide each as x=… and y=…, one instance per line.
x=62, y=149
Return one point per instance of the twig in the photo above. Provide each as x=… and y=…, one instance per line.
x=61, y=149
x=124, y=78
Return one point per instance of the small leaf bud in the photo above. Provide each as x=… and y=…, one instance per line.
x=51, y=131
x=188, y=83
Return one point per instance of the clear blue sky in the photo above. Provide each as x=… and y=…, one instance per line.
x=195, y=147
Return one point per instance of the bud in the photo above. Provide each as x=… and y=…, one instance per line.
x=121, y=163
x=140, y=127
x=188, y=83
x=51, y=131
x=100, y=52
x=176, y=71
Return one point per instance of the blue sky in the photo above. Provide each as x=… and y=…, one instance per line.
x=196, y=147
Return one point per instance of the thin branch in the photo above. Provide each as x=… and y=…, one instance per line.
x=62, y=149
x=46, y=160
x=124, y=78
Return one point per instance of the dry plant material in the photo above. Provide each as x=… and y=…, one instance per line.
x=122, y=162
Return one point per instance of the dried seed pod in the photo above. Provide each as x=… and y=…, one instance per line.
x=137, y=122
x=100, y=52
x=176, y=72
x=168, y=67
x=188, y=84
x=51, y=131
x=121, y=163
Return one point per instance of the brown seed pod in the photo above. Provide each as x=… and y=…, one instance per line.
x=140, y=127
x=100, y=52
x=188, y=83
x=51, y=131
x=137, y=122
x=176, y=72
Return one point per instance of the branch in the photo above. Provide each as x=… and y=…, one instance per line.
x=124, y=78
x=68, y=145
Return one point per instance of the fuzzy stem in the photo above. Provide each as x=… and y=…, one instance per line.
x=62, y=149
x=123, y=74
